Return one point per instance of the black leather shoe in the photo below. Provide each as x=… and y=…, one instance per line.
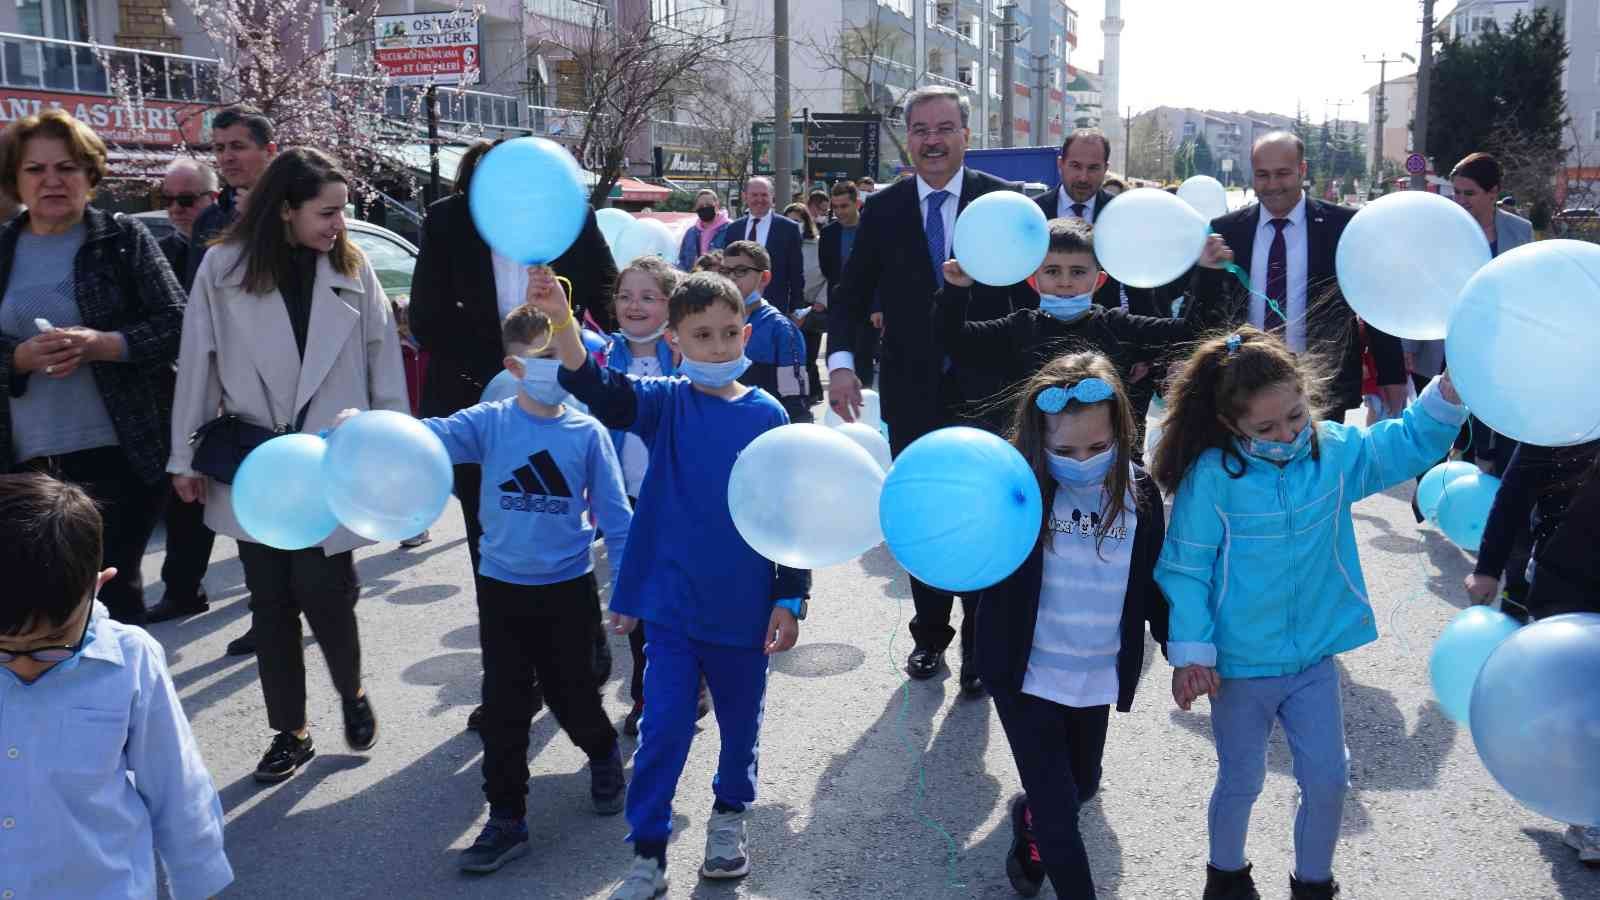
x=285, y=757
x=244, y=644
x=971, y=683
x=176, y=607
x=360, y=724
x=1312, y=890
x=923, y=664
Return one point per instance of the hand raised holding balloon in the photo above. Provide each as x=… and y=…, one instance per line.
x=546, y=294
x=954, y=274
x=1216, y=254
x=1447, y=388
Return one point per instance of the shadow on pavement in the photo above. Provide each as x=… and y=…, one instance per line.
x=1572, y=878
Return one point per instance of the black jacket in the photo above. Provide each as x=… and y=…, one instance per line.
x=1566, y=575
x=176, y=248
x=1330, y=324
x=122, y=283
x=212, y=221
x=830, y=255
x=1008, y=611
x=1535, y=490
x=890, y=261
x=455, y=312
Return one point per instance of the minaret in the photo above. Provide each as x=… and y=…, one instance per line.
x=1110, y=65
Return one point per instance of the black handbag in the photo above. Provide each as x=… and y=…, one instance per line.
x=221, y=444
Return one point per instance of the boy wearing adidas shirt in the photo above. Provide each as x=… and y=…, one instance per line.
x=544, y=466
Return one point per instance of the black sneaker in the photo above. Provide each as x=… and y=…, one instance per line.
x=1222, y=884
x=1312, y=890
x=360, y=725
x=244, y=644
x=608, y=787
x=500, y=841
x=1023, y=865
x=475, y=719
x=176, y=606
x=285, y=757
x=630, y=725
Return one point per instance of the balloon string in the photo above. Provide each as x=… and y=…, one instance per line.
x=1422, y=572
x=901, y=720
x=1244, y=279
x=549, y=336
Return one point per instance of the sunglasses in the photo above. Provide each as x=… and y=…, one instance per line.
x=183, y=200
x=50, y=654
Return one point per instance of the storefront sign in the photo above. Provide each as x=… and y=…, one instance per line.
x=429, y=48
x=155, y=124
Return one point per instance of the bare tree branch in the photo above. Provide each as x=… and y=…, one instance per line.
x=864, y=54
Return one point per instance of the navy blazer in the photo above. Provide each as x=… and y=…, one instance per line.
x=786, y=290
x=1330, y=323
x=890, y=261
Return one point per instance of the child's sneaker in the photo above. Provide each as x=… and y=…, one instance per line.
x=1585, y=840
x=725, y=847
x=285, y=757
x=608, y=788
x=360, y=724
x=1222, y=884
x=1023, y=865
x=1312, y=890
x=646, y=880
x=500, y=841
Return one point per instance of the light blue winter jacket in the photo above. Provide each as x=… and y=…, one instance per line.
x=619, y=358
x=1262, y=570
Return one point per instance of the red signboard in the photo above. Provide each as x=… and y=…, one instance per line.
x=157, y=123
x=426, y=48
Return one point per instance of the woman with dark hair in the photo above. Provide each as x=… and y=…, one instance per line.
x=287, y=325
x=813, y=320
x=460, y=293
x=90, y=315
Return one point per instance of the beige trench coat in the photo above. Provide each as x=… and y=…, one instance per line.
x=238, y=356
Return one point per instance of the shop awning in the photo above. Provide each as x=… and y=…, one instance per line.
x=636, y=191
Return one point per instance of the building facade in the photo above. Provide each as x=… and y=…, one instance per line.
x=1390, y=126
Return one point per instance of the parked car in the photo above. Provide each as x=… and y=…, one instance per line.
x=1580, y=220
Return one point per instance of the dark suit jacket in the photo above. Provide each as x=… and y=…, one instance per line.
x=830, y=255
x=1330, y=324
x=455, y=314
x=175, y=247
x=1141, y=301
x=788, y=267
x=890, y=260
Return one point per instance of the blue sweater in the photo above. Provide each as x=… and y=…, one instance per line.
x=777, y=352
x=687, y=567
x=539, y=478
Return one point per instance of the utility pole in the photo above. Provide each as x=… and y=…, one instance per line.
x=1008, y=91
x=431, y=99
x=1041, y=91
x=985, y=58
x=1379, y=117
x=1419, y=126
x=780, y=104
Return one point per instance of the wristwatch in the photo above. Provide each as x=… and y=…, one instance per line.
x=797, y=606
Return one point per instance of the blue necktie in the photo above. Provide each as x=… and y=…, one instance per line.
x=933, y=227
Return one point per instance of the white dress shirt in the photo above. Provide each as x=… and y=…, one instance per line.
x=846, y=359
x=1295, y=245
x=510, y=283
x=1064, y=203
x=763, y=229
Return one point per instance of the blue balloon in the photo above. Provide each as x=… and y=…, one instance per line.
x=1521, y=343
x=500, y=387
x=787, y=514
x=1387, y=288
x=1001, y=238
x=594, y=341
x=1148, y=237
x=1460, y=652
x=279, y=495
x=528, y=200
x=1431, y=490
x=961, y=509
x=1464, y=509
x=1536, y=717
x=388, y=476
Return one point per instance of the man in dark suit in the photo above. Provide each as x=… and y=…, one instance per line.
x=833, y=253
x=1286, y=243
x=780, y=236
x=900, y=248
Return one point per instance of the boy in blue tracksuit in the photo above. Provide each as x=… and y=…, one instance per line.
x=777, y=348
x=1261, y=569
x=714, y=606
x=544, y=466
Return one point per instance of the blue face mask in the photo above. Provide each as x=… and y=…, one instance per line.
x=539, y=380
x=1065, y=308
x=713, y=375
x=1279, y=451
x=752, y=298
x=1093, y=470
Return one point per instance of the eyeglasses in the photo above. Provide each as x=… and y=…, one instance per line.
x=183, y=200
x=738, y=272
x=642, y=300
x=921, y=132
x=50, y=654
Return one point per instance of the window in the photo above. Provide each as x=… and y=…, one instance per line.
x=1188, y=130
x=66, y=20
x=994, y=82
x=964, y=74
x=1594, y=125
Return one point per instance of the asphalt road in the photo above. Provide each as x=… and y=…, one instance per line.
x=870, y=787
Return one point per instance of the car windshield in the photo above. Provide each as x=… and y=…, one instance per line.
x=391, y=261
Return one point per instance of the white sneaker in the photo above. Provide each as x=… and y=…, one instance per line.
x=416, y=540
x=725, y=847
x=646, y=880
x=1586, y=840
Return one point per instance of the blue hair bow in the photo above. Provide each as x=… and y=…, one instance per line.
x=1052, y=400
x=1233, y=342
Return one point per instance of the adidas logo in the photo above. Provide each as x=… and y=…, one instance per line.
x=537, y=487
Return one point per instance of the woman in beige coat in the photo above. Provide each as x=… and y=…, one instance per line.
x=287, y=315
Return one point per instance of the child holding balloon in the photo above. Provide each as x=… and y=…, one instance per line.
x=1261, y=569
x=1062, y=639
x=713, y=605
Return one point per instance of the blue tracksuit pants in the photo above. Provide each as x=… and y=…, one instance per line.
x=737, y=679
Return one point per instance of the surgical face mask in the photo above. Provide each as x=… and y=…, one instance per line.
x=645, y=338
x=706, y=213
x=1093, y=470
x=752, y=298
x=713, y=375
x=539, y=380
x=1065, y=308
x=1279, y=451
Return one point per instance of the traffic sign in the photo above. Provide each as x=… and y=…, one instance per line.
x=1415, y=164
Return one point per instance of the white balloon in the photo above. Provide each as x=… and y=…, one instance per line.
x=806, y=496
x=645, y=237
x=870, y=439
x=1404, y=259
x=612, y=223
x=1206, y=194
x=871, y=411
x=1147, y=237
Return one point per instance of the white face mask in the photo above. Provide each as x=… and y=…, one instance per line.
x=539, y=380
x=645, y=338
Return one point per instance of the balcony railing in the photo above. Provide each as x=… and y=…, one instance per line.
x=56, y=65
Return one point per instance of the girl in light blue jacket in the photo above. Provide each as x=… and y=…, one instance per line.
x=1261, y=569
